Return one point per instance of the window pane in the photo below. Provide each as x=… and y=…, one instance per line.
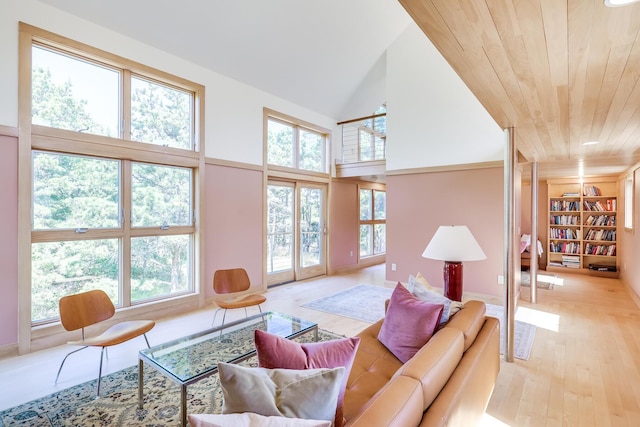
x=68, y=93
x=65, y=268
x=279, y=228
x=310, y=237
x=365, y=240
x=379, y=239
x=161, y=115
x=280, y=144
x=160, y=195
x=365, y=205
x=365, y=146
x=380, y=204
x=75, y=192
x=379, y=148
x=159, y=266
x=311, y=151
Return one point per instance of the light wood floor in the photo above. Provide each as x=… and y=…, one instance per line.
x=584, y=368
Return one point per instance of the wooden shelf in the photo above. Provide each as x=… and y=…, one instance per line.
x=596, y=201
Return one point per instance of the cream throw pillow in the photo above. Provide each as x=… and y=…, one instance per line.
x=420, y=287
x=249, y=419
x=310, y=394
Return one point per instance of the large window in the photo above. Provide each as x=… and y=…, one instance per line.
x=373, y=215
x=292, y=145
x=114, y=168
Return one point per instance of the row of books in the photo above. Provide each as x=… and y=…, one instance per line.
x=564, y=247
x=607, y=220
x=564, y=233
x=608, y=250
x=571, y=261
x=595, y=234
x=564, y=205
x=598, y=205
x=564, y=219
x=592, y=190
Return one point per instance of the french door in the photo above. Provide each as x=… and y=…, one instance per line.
x=295, y=231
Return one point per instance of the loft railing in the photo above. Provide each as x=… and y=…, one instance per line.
x=364, y=139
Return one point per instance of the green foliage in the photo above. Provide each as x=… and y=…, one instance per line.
x=71, y=192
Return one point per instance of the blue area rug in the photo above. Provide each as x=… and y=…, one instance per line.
x=362, y=302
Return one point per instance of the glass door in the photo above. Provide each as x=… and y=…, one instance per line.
x=295, y=231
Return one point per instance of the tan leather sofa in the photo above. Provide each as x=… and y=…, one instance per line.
x=448, y=382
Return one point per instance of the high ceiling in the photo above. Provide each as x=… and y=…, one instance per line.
x=562, y=72
x=312, y=53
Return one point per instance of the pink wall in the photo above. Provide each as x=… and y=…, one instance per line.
x=9, y=240
x=418, y=204
x=233, y=222
x=543, y=215
x=343, y=225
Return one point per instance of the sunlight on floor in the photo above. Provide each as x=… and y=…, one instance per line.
x=538, y=318
x=489, y=421
x=557, y=281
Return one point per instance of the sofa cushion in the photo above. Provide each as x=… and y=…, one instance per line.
x=373, y=366
x=249, y=419
x=309, y=393
x=434, y=363
x=277, y=352
x=469, y=321
x=408, y=324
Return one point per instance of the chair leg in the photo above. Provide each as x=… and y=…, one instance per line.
x=65, y=359
x=145, y=338
x=215, y=314
x=100, y=372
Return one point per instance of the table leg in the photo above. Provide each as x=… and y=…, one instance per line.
x=183, y=404
x=140, y=383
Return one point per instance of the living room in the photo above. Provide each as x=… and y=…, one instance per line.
x=418, y=185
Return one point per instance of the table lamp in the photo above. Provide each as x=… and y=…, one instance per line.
x=453, y=244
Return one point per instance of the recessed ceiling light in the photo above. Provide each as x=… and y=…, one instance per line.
x=617, y=3
x=590, y=143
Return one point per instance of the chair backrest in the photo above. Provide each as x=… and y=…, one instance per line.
x=84, y=309
x=232, y=280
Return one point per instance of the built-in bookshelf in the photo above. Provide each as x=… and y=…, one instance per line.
x=582, y=230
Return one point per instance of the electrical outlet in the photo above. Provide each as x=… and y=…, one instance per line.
x=393, y=267
x=350, y=253
x=500, y=279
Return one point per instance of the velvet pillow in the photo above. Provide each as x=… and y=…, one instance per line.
x=310, y=394
x=409, y=323
x=249, y=419
x=277, y=352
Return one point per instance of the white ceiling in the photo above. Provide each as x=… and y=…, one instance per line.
x=312, y=53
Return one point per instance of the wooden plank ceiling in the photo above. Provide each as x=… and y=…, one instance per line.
x=562, y=72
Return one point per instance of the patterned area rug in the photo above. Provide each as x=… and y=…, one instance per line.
x=362, y=302
x=118, y=404
x=545, y=280
x=524, y=333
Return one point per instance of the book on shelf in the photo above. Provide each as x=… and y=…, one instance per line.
x=571, y=194
x=591, y=190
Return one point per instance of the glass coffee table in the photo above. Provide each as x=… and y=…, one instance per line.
x=194, y=357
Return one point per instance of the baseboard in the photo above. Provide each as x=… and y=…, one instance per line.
x=8, y=350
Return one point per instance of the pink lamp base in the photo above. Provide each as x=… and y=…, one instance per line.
x=453, y=280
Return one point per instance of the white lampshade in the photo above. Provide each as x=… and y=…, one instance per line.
x=454, y=243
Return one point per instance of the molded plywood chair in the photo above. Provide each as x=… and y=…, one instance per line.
x=230, y=282
x=87, y=308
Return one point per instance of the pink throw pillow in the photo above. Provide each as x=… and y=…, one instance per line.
x=275, y=352
x=408, y=324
